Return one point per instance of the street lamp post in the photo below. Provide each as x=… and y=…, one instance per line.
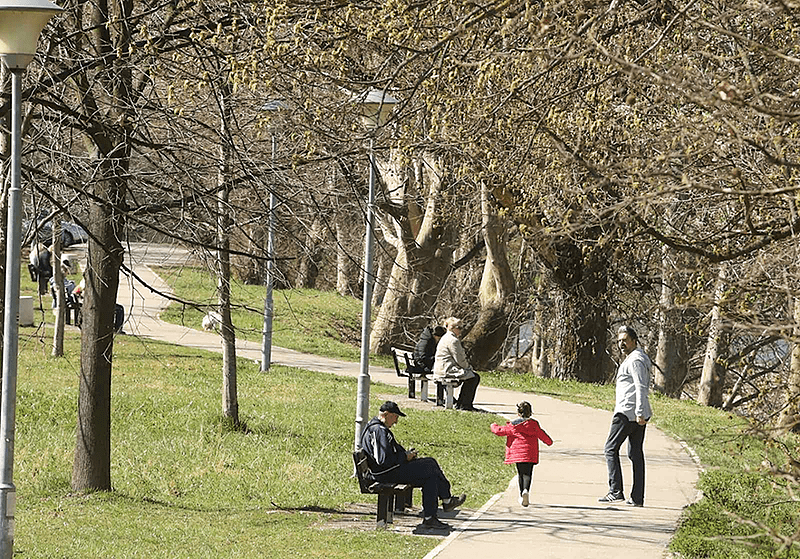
x=269, y=308
x=375, y=107
x=21, y=22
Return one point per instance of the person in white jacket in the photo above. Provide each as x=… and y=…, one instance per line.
x=451, y=363
x=631, y=414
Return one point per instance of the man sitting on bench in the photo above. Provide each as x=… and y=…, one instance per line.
x=425, y=350
x=390, y=462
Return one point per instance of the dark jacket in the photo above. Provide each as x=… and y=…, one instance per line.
x=425, y=351
x=384, y=453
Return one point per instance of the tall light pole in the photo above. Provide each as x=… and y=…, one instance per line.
x=375, y=106
x=21, y=23
x=269, y=308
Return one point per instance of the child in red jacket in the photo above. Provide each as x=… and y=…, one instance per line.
x=522, y=446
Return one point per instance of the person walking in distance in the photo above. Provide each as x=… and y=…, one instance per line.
x=631, y=414
x=522, y=446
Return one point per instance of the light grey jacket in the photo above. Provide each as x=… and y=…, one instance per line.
x=633, y=385
x=451, y=360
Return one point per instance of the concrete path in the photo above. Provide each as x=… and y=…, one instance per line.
x=564, y=519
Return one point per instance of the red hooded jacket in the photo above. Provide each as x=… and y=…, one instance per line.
x=522, y=440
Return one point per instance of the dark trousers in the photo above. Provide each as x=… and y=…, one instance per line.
x=466, y=396
x=427, y=474
x=623, y=428
x=524, y=476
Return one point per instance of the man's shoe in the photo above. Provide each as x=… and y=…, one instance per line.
x=632, y=503
x=611, y=498
x=435, y=524
x=454, y=502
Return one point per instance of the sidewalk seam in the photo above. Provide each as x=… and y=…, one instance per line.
x=457, y=531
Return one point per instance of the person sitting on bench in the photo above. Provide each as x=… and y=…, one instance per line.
x=425, y=350
x=390, y=462
x=451, y=363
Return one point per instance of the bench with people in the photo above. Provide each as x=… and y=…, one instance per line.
x=439, y=356
x=385, y=467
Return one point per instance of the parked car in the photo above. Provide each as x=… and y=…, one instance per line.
x=71, y=233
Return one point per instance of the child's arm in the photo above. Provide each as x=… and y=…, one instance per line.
x=500, y=431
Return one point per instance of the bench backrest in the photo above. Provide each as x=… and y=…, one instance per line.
x=362, y=470
x=405, y=358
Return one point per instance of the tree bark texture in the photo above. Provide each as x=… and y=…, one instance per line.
x=671, y=361
x=230, y=399
x=712, y=380
x=581, y=315
x=416, y=222
x=487, y=337
x=108, y=146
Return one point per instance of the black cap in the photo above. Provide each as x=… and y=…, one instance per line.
x=392, y=407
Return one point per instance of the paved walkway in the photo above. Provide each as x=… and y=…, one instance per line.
x=564, y=519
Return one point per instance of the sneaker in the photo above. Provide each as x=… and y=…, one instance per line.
x=454, y=502
x=435, y=523
x=611, y=498
x=524, y=498
x=632, y=503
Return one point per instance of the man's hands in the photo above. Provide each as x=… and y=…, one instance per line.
x=641, y=420
x=411, y=453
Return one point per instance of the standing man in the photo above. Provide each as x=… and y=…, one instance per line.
x=390, y=462
x=631, y=414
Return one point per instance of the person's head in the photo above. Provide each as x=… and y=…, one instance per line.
x=389, y=413
x=626, y=339
x=524, y=409
x=66, y=264
x=454, y=325
x=438, y=332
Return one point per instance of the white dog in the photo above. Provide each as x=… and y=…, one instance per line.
x=212, y=321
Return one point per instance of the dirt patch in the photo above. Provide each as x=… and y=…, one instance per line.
x=361, y=517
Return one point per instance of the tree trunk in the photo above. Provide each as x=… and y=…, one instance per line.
x=486, y=338
x=713, y=378
x=58, y=288
x=347, y=277
x=423, y=239
x=790, y=418
x=230, y=401
x=110, y=147
x=581, y=314
x=311, y=257
x=671, y=363
x=91, y=468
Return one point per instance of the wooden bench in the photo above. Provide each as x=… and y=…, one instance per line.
x=391, y=496
x=405, y=367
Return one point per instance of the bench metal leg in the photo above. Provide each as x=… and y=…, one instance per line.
x=403, y=501
x=423, y=389
x=411, y=387
x=385, y=507
x=449, y=400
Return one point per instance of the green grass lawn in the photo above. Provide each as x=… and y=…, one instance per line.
x=185, y=485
